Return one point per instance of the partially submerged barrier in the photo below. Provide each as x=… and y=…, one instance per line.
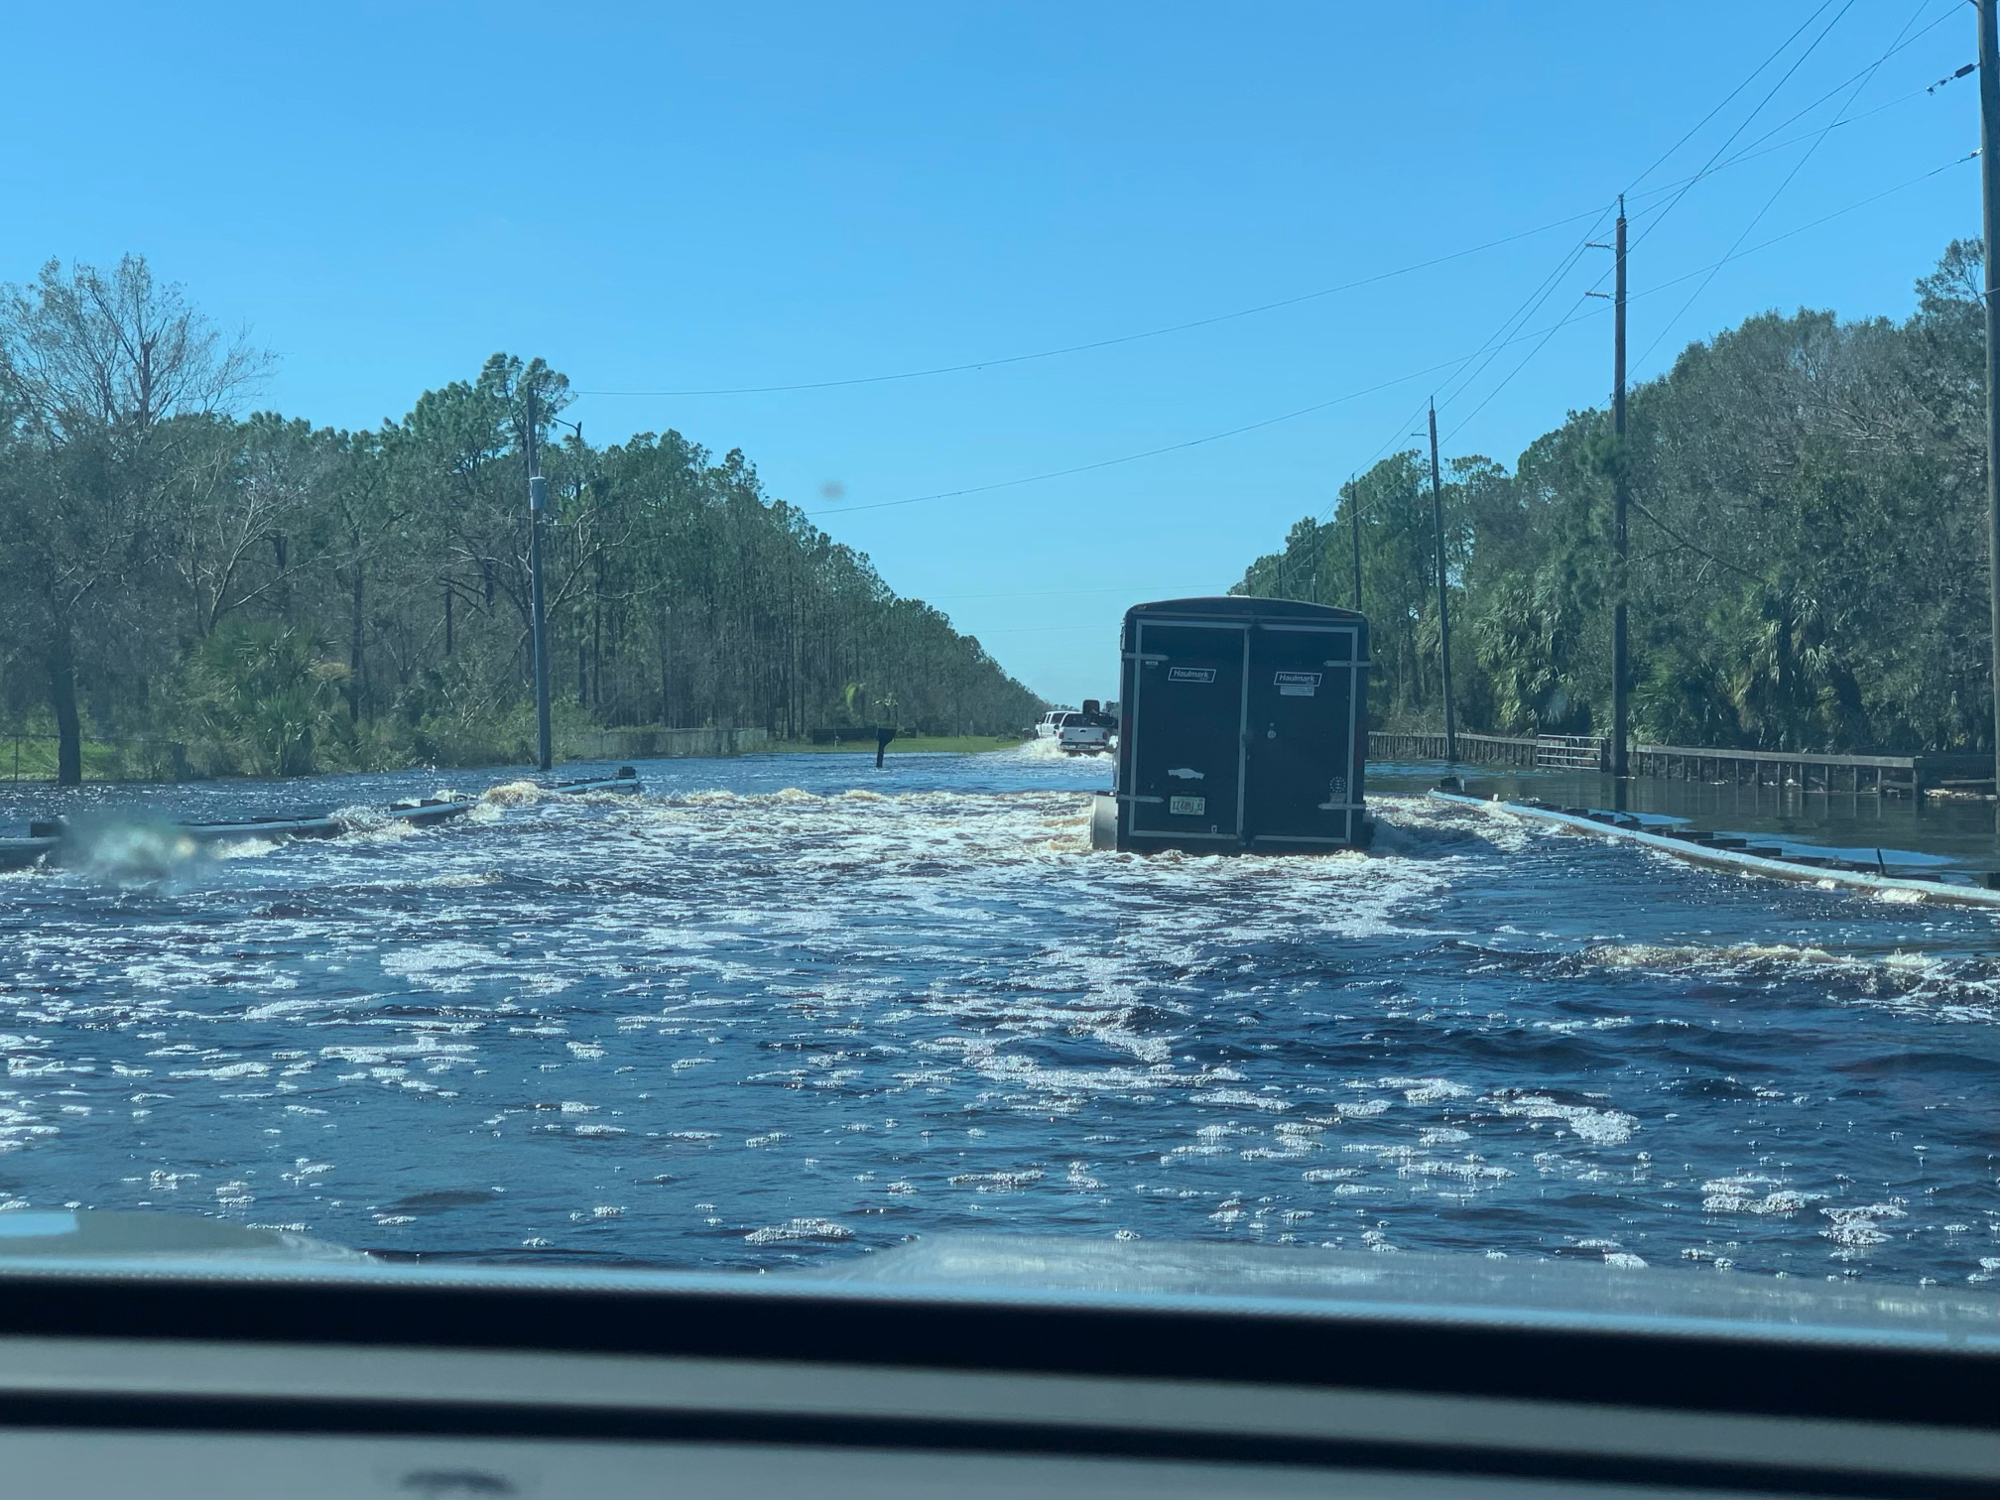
x=624, y=782
x=1739, y=855
x=49, y=839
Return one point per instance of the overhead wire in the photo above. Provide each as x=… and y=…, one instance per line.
x=1374, y=458
x=1215, y=437
x=1376, y=278
x=1738, y=254
x=1528, y=310
x=1744, y=124
x=1112, y=342
x=1757, y=149
x=1838, y=213
x=1507, y=334
x=1865, y=78
x=1899, y=45
x=1540, y=333
x=1707, y=168
x=1754, y=74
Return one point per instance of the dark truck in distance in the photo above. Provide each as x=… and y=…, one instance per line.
x=1244, y=726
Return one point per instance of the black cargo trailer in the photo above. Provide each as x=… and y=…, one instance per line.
x=1243, y=725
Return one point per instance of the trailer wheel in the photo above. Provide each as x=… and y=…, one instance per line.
x=1103, y=822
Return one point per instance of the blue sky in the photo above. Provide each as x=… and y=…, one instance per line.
x=693, y=198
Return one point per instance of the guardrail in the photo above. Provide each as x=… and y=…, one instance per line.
x=1806, y=771
x=1796, y=770
x=1575, y=752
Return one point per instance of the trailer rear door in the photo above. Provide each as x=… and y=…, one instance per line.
x=1300, y=734
x=1187, y=738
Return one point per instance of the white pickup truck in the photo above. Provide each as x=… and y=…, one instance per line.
x=1090, y=732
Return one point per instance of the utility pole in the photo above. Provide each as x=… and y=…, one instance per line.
x=1989, y=183
x=538, y=506
x=1444, y=614
x=576, y=499
x=1621, y=669
x=1354, y=525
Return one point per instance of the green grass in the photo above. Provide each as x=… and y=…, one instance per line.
x=952, y=744
x=148, y=762
x=33, y=758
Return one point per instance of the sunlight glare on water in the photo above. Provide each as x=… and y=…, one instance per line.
x=791, y=1006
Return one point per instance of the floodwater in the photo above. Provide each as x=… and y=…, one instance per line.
x=1940, y=832
x=792, y=1007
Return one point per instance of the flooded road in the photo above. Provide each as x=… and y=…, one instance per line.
x=1942, y=832
x=790, y=1006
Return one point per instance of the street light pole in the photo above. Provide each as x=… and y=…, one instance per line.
x=538, y=508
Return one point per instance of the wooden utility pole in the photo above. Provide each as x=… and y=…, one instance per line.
x=1989, y=183
x=1354, y=525
x=538, y=505
x=1621, y=667
x=1444, y=613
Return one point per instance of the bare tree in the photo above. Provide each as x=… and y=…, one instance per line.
x=101, y=374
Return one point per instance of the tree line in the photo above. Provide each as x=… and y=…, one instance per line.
x=1808, y=559
x=264, y=595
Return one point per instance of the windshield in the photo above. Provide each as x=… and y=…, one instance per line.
x=539, y=625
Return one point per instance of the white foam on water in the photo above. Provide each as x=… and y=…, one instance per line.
x=961, y=961
x=1943, y=986
x=1857, y=1228
x=795, y=1231
x=521, y=793
x=1753, y=1193
x=1039, y=749
x=1596, y=1127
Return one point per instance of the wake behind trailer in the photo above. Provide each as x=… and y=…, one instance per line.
x=1244, y=727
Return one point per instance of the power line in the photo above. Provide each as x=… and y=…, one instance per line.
x=1107, y=343
x=1713, y=266
x=1757, y=149
x=1528, y=310
x=1662, y=286
x=1866, y=77
x=1540, y=333
x=1707, y=168
x=1694, y=129
x=1797, y=63
x=1278, y=304
x=1402, y=430
x=1214, y=437
x=1838, y=213
x=1899, y=45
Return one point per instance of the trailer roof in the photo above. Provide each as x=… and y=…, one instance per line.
x=1244, y=605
